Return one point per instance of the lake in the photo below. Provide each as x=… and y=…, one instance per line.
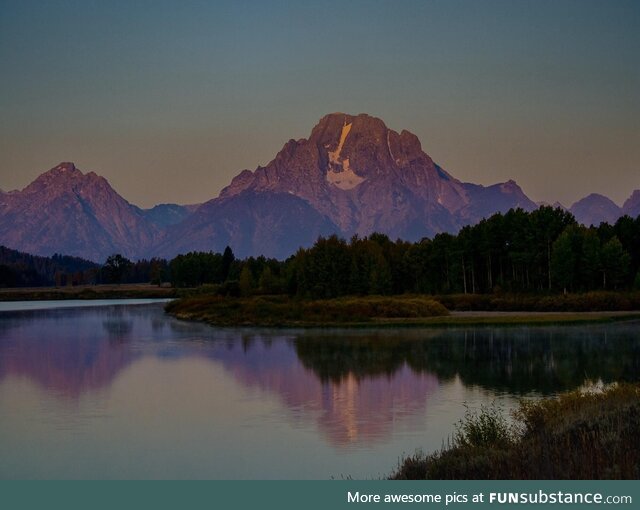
x=119, y=390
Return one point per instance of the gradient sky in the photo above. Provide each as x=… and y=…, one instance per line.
x=170, y=100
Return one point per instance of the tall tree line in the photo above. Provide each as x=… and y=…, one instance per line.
x=18, y=269
x=540, y=251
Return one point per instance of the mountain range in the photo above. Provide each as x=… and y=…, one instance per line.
x=353, y=175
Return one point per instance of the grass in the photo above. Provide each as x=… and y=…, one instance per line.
x=580, y=435
x=379, y=311
x=285, y=311
x=584, y=302
x=124, y=291
x=521, y=319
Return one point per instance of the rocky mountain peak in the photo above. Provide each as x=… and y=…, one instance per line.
x=64, y=177
x=595, y=208
x=355, y=148
x=366, y=177
x=511, y=186
x=66, y=166
x=632, y=204
x=67, y=211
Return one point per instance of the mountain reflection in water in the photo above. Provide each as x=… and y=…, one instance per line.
x=356, y=385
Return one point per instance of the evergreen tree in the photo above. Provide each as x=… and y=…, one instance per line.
x=246, y=281
x=615, y=264
x=115, y=268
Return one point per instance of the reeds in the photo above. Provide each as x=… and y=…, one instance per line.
x=580, y=435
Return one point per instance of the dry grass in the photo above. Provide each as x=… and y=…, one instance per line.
x=586, y=302
x=580, y=435
x=284, y=311
x=124, y=291
x=402, y=310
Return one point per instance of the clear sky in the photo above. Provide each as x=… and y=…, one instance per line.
x=170, y=100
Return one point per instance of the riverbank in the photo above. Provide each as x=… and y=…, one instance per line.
x=124, y=291
x=578, y=436
x=404, y=310
x=282, y=311
x=596, y=301
x=504, y=318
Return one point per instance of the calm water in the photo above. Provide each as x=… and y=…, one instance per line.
x=127, y=392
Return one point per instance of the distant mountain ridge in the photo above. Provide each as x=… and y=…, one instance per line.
x=66, y=211
x=352, y=176
x=595, y=209
x=165, y=215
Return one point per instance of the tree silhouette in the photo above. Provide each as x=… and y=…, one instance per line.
x=115, y=268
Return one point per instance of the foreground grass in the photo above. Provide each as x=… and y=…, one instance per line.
x=580, y=435
x=284, y=311
x=124, y=291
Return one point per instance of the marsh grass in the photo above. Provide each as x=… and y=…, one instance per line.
x=580, y=435
x=585, y=302
x=381, y=311
x=284, y=311
x=124, y=291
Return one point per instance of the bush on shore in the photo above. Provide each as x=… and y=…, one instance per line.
x=580, y=435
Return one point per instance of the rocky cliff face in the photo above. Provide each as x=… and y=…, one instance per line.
x=631, y=207
x=66, y=211
x=365, y=177
x=353, y=175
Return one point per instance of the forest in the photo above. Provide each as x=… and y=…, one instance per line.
x=18, y=269
x=544, y=251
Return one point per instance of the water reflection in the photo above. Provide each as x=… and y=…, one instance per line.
x=354, y=410
x=354, y=385
x=543, y=360
x=65, y=352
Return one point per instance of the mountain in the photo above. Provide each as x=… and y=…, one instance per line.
x=66, y=211
x=273, y=224
x=366, y=177
x=165, y=215
x=595, y=209
x=631, y=206
x=355, y=176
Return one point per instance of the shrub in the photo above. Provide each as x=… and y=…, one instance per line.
x=281, y=310
x=580, y=435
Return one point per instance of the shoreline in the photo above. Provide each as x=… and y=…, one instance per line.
x=241, y=312
x=547, y=440
x=376, y=312
x=88, y=292
x=518, y=319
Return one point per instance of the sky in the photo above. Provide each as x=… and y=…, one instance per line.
x=171, y=99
